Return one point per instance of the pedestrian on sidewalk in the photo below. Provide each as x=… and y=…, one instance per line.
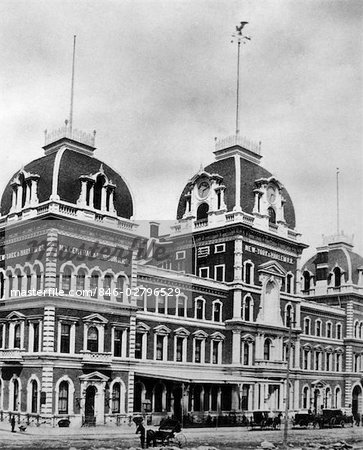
x=141, y=429
x=12, y=422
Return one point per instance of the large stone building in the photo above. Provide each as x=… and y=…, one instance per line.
x=88, y=334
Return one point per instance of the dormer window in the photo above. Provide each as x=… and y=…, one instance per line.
x=97, y=191
x=306, y=279
x=337, y=274
x=24, y=187
x=271, y=215
x=202, y=211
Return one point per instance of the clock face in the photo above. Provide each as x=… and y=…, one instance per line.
x=203, y=189
x=271, y=194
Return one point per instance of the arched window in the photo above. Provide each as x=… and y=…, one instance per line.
x=38, y=273
x=116, y=397
x=337, y=277
x=247, y=309
x=23, y=184
x=63, y=398
x=34, y=396
x=66, y=280
x=271, y=215
x=107, y=286
x=199, y=309
x=305, y=402
x=28, y=276
x=10, y=282
x=92, y=339
x=19, y=278
x=318, y=327
x=361, y=330
x=17, y=335
x=267, y=350
x=306, y=276
x=217, y=310
x=307, y=322
x=356, y=329
x=15, y=394
x=120, y=286
x=202, y=211
x=248, y=273
x=339, y=331
x=81, y=280
x=98, y=187
x=94, y=284
x=338, y=397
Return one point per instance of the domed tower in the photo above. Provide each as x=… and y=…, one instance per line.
x=236, y=188
x=70, y=180
x=66, y=270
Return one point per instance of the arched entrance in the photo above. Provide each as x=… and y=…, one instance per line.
x=357, y=401
x=89, y=410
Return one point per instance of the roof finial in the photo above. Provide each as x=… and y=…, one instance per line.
x=72, y=85
x=240, y=38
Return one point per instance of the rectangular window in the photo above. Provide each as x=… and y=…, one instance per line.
x=328, y=330
x=219, y=248
x=217, y=312
x=138, y=345
x=204, y=272
x=36, y=337
x=179, y=349
x=161, y=305
x=307, y=326
x=117, y=343
x=180, y=255
x=159, y=347
x=215, y=352
x=317, y=360
x=318, y=328
x=219, y=272
x=203, y=251
x=65, y=338
x=198, y=351
x=306, y=359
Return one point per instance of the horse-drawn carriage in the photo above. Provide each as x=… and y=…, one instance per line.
x=265, y=419
x=169, y=433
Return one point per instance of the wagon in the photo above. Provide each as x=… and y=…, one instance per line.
x=334, y=417
x=169, y=433
x=304, y=419
x=264, y=419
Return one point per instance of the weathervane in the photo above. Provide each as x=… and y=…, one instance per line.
x=239, y=37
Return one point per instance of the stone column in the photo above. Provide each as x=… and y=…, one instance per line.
x=236, y=346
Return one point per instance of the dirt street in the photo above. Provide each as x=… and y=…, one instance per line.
x=222, y=438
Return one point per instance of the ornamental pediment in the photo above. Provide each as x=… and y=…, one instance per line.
x=95, y=318
x=94, y=376
x=15, y=315
x=272, y=268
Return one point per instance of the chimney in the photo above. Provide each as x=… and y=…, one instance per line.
x=154, y=229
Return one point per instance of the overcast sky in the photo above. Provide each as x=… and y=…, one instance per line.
x=156, y=79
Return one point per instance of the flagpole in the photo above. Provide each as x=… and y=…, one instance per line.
x=240, y=37
x=338, y=225
x=72, y=85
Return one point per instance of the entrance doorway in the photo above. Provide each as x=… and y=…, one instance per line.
x=178, y=398
x=90, y=418
x=357, y=404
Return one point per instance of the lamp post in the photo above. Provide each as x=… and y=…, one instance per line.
x=287, y=399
